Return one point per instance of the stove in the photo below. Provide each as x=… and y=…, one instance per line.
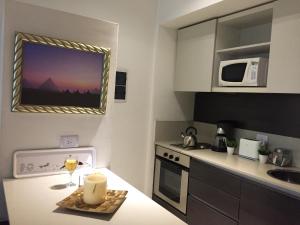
x=198, y=146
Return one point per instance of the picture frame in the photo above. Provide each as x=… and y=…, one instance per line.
x=58, y=76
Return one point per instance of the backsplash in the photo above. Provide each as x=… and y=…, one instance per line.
x=271, y=113
x=170, y=131
x=207, y=134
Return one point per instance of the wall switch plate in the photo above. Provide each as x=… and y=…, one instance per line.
x=69, y=141
x=263, y=138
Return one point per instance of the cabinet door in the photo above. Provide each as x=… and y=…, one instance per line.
x=284, y=62
x=263, y=206
x=215, y=177
x=194, y=60
x=221, y=201
x=200, y=214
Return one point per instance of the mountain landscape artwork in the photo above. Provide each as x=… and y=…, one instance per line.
x=55, y=76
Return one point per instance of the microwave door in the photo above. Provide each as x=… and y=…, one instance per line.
x=170, y=180
x=234, y=74
x=171, y=183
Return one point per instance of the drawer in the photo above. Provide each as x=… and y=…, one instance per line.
x=261, y=205
x=199, y=213
x=226, y=203
x=216, y=177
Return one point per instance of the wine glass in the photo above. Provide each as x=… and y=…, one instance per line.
x=71, y=163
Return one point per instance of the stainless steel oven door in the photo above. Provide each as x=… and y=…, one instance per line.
x=171, y=183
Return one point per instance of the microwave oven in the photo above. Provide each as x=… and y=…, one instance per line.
x=250, y=72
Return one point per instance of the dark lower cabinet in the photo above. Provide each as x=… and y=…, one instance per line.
x=216, y=177
x=201, y=214
x=218, y=197
x=225, y=203
x=214, y=195
x=263, y=206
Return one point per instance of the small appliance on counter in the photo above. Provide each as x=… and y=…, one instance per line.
x=190, y=141
x=282, y=157
x=249, y=148
x=224, y=131
x=189, y=138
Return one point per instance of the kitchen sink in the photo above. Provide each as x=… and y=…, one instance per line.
x=286, y=175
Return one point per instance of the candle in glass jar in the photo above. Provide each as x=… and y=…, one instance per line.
x=94, y=190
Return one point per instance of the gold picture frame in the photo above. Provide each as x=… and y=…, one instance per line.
x=18, y=106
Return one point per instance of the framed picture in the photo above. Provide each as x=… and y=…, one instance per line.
x=58, y=76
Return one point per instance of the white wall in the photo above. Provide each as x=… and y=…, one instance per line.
x=166, y=105
x=31, y=131
x=2, y=9
x=3, y=211
x=128, y=143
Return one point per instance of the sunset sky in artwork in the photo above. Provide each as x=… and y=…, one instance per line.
x=68, y=68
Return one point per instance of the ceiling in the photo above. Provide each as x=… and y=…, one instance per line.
x=220, y=8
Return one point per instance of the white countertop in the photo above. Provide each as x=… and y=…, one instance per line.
x=247, y=168
x=31, y=201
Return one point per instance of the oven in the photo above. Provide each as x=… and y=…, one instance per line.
x=171, y=177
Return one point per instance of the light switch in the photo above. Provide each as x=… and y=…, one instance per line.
x=263, y=138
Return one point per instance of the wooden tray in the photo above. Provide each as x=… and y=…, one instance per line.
x=114, y=198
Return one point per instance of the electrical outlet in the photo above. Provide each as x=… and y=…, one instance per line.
x=263, y=138
x=69, y=141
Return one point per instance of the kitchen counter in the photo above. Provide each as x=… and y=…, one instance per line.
x=244, y=167
x=31, y=201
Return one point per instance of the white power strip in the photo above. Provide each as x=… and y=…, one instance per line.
x=30, y=163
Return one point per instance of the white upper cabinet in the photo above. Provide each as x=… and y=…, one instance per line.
x=194, y=57
x=284, y=72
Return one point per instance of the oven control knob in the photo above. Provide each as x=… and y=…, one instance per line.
x=177, y=159
x=166, y=154
x=171, y=156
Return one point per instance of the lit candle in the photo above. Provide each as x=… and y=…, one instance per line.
x=94, y=190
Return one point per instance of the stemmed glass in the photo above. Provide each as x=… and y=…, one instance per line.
x=71, y=163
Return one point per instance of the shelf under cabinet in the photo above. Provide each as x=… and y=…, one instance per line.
x=240, y=89
x=246, y=49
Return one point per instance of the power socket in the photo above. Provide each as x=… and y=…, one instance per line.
x=69, y=141
x=263, y=138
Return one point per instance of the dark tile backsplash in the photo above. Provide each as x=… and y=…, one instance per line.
x=271, y=113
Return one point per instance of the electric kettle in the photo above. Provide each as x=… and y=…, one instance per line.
x=189, y=138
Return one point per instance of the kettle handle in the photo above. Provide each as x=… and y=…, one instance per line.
x=191, y=129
